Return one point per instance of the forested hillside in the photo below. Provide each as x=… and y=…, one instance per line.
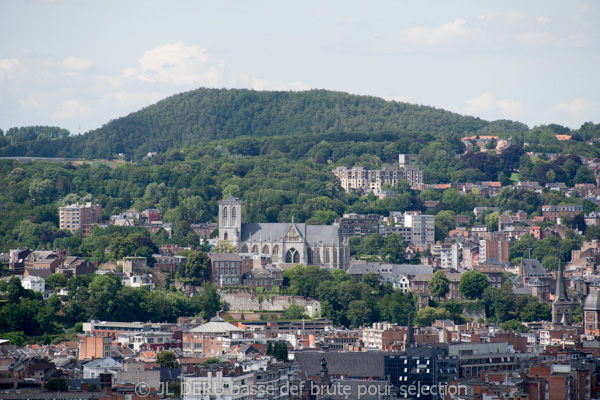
x=208, y=114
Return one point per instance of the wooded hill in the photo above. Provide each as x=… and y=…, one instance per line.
x=208, y=114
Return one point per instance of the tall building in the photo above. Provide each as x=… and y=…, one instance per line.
x=285, y=243
x=422, y=226
x=80, y=216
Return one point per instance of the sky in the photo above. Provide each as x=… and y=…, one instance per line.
x=78, y=64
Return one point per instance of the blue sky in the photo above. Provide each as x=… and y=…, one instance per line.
x=78, y=64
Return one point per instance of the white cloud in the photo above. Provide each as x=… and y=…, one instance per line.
x=9, y=68
x=72, y=109
x=264, y=84
x=536, y=38
x=543, y=20
x=423, y=36
x=580, y=108
x=488, y=106
x=76, y=63
x=178, y=64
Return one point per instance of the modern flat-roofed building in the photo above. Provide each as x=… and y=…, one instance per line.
x=80, y=216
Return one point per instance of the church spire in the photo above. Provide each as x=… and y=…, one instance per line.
x=561, y=289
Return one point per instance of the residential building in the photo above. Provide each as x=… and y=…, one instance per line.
x=358, y=225
x=381, y=335
x=495, y=248
x=360, y=179
x=445, y=255
x=94, y=346
x=422, y=228
x=168, y=263
x=553, y=212
x=80, y=216
x=204, y=229
x=267, y=278
x=494, y=273
x=35, y=283
x=226, y=269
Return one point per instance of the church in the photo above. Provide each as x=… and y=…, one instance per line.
x=286, y=243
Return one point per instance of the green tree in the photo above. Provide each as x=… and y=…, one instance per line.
x=210, y=302
x=444, y=222
x=167, y=359
x=428, y=315
x=359, y=313
x=196, y=267
x=491, y=221
x=294, y=311
x=224, y=246
x=280, y=351
x=472, y=284
x=439, y=285
x=56, y=385
x=514, y=325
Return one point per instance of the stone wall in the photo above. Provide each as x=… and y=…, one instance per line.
x=244, y=301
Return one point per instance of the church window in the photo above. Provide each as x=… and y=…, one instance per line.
x=265, y=249
x=254, y=249
x=292, y=256
x=244, y=249
x=327, y=257
x=225, y=218
x=233, y=216
x=309, y=256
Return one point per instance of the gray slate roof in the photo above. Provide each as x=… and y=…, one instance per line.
x=354, y=365
x=396, y=269
x=266, y=232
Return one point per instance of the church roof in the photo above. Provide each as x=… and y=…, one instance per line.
x=561, y=289
x=275, y=232
x=592, y=301
x=217, y=325
x=533, y=268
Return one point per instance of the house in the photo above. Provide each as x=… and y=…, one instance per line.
x=420, y=282
x=267, y=278
x=226, y=269
x=35, y=283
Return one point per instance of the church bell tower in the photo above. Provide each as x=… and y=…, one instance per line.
x=230, y=220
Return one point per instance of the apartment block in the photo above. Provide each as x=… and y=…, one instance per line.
x=80, y=216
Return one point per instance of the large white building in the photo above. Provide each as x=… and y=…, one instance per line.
x=285, y=243
x=371, y=180
x=35, y=283
x=422, y=228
